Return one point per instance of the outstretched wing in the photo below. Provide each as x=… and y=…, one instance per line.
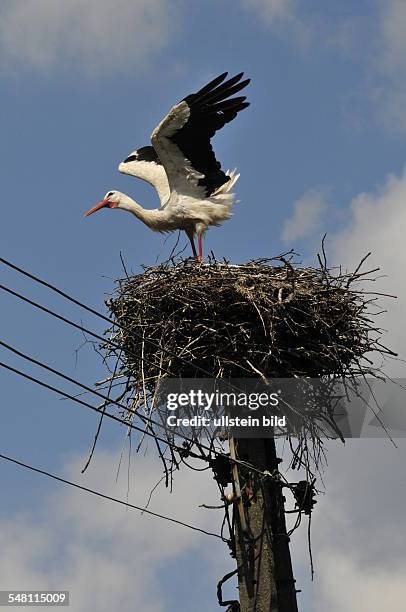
x=145, y=164
x=182, y=139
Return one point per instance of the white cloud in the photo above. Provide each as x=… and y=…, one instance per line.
x=272, y=10
x=393, y=24
x=375, y=40
x=306, y=26
x=92, y=36
x=388, y=86
x=284, y=15
x=306, y=218
x=357, y=531
x=107, y=556
x=377, y=223
x=353, y=588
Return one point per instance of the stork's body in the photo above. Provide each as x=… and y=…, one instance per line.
x=194, y=192
x=181, y=212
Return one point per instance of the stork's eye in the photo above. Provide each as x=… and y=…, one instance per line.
x=130, y=159
x=110, y=193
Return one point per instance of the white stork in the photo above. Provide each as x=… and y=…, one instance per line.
x=194, y=192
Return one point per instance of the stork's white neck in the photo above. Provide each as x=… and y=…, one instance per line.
x=127, y=203
x=146, y=216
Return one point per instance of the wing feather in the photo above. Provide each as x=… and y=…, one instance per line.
x=182, y=139
x=145, y=164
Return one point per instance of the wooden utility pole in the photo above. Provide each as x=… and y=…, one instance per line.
x=265, y=576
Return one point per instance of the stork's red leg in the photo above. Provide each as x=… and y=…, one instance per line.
x=192, y=244
x=199, y=244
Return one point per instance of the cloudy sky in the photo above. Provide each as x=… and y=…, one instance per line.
x=322, y=148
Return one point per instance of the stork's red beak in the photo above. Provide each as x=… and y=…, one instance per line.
x=96, y=207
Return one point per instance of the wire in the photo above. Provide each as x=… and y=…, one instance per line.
x=22, y=297
x=101, y=316
x=109, y=342
x=41, y=364
x=107, y=399
x=83, y=403
x=111, y=416
x=92, y=333
x=114, y=499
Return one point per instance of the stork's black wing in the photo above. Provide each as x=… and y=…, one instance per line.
x=182, y=139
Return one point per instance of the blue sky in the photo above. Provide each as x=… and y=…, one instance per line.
x=322, y=148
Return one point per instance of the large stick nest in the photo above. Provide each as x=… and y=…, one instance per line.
x=234, y=321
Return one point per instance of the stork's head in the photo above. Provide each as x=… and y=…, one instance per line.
x=112, y=199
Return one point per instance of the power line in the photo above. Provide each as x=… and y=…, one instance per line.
x=41, y=383
x=86, y=330
x=111, y=416
x=146, y=420
x=101, y=316
x=103, y=495
x=82, y=328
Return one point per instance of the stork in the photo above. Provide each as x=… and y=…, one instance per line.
x=194, y=191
